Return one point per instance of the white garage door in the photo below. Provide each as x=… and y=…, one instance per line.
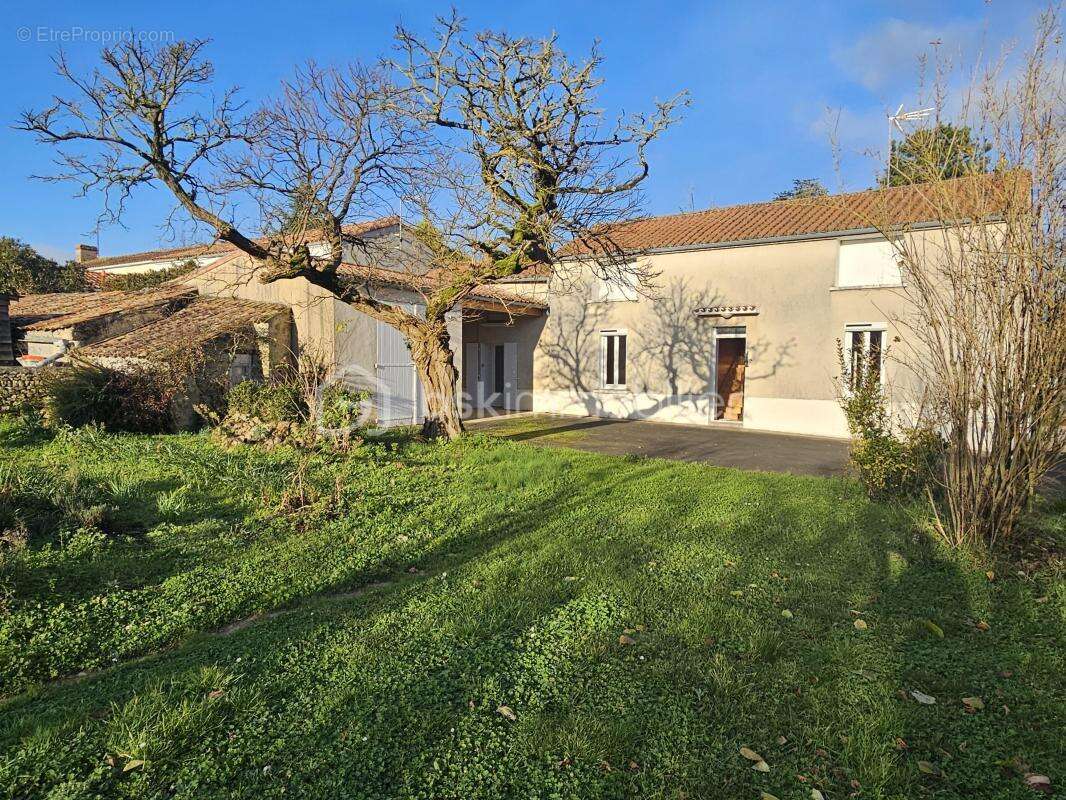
x=399, y=396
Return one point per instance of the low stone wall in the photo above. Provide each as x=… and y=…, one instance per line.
x=21, y=387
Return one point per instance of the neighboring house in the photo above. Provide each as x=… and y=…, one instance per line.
x=226, y=340
x=386, y=239
x=369, y=354
x=385, y=258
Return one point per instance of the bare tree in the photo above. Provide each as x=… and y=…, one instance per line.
x=533, y=163
x=521, y=162
x=987, y=295
x=331, y=147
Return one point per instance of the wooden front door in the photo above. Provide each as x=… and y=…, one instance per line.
x=731, y=364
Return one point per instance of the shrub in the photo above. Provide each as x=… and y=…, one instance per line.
x=298, y=407
x=136, y=400
x=269, y=402
x=341, y=407
x=892, y=461
x=144, y=280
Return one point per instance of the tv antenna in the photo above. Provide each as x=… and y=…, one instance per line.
x=896, y=121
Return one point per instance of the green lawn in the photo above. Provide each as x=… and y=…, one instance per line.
x=396, y=598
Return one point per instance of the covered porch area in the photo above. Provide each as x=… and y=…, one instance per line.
x=497, y=358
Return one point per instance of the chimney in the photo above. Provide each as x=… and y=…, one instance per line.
x=85, y=252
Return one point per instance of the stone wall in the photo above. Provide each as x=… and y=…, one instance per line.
x=21, y=387
x=7, y=357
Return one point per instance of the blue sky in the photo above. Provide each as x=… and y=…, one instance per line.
x=762, y=76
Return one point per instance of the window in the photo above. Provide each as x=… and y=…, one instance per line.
x=868, y=262
x=613, y=360
x=240, y=368
x=620, y=288
x=864, y=349
x=497, y=372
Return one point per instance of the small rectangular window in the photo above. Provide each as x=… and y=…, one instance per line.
x=614, y=360
x=240, y=368
x=865, y=353
x=497, y=375
x=868, y=262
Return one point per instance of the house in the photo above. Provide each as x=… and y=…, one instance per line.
x=743, y=330
x=385, y=239
x=387, y=258
x=370, y=354
x=750, y=305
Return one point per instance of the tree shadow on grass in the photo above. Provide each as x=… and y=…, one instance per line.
x=395, y=692
x=555, y=427
x=123, y=556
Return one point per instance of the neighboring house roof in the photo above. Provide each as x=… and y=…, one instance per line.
x=96, y=280
x=801, y=218
x=222, y=248
x=52, y=312
x=537, y=272
x=32, y=307
x=484, y=293
x=202, y=320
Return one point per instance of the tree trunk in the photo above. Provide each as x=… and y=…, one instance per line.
x=432, y=355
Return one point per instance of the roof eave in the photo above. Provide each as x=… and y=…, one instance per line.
x=798, y=237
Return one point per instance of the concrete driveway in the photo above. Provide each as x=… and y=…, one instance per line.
x=722, y=446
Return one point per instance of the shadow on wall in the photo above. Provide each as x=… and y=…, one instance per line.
x=672, y=351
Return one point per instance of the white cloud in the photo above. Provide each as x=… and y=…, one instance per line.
x=888, y=56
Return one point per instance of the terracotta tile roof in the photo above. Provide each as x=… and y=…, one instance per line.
x=96, y=280
x=786, y=219
x=51, y=312
x=202, y=320
x=33, y=307
x=221, y=248
x=537, y=272
x=378, y=276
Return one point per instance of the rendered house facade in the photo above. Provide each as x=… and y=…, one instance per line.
x=742, y=328
x=750, y=306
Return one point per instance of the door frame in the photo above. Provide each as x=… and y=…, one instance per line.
x=507, y=398
x=472, y=362
x=731, y=332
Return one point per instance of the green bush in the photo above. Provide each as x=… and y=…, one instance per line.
x=341, y=407
x=891, y=462
x=138, y=400
x=131, y=282
x=269, y=402
x=896, y=466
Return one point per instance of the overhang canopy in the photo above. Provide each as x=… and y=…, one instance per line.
x=727, y=311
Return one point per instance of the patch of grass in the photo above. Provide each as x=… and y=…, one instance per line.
x=544, y=428
x=496, y=574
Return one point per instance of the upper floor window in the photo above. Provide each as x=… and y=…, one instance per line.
x=868, y=262
x=616, y=289
x=864, y=349
x=613, y=360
